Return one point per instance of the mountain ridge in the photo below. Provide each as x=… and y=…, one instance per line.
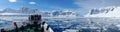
x=104, y=12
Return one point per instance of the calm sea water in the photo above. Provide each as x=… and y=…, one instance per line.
x=86, y=24
x=81, y=24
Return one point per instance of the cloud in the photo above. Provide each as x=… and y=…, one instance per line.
x=12, y=0
x=32, y=2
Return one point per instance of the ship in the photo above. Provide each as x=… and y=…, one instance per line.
x=35, y=24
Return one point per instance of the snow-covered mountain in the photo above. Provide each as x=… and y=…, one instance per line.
x=29, y=11
x=21, y=10
x=104, y=12
x=65, y=13
x=8, y=10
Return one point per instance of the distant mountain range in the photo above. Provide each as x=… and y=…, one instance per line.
x=29, y=11
x=21, y=10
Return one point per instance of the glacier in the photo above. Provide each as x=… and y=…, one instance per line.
x=104, y=12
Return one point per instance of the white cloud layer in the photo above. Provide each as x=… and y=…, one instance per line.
x=32, y=2
x=12, y=0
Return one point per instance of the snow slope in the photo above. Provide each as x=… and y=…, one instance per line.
x=104, y=12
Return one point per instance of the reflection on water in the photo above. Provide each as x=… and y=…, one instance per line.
x=80, y=24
